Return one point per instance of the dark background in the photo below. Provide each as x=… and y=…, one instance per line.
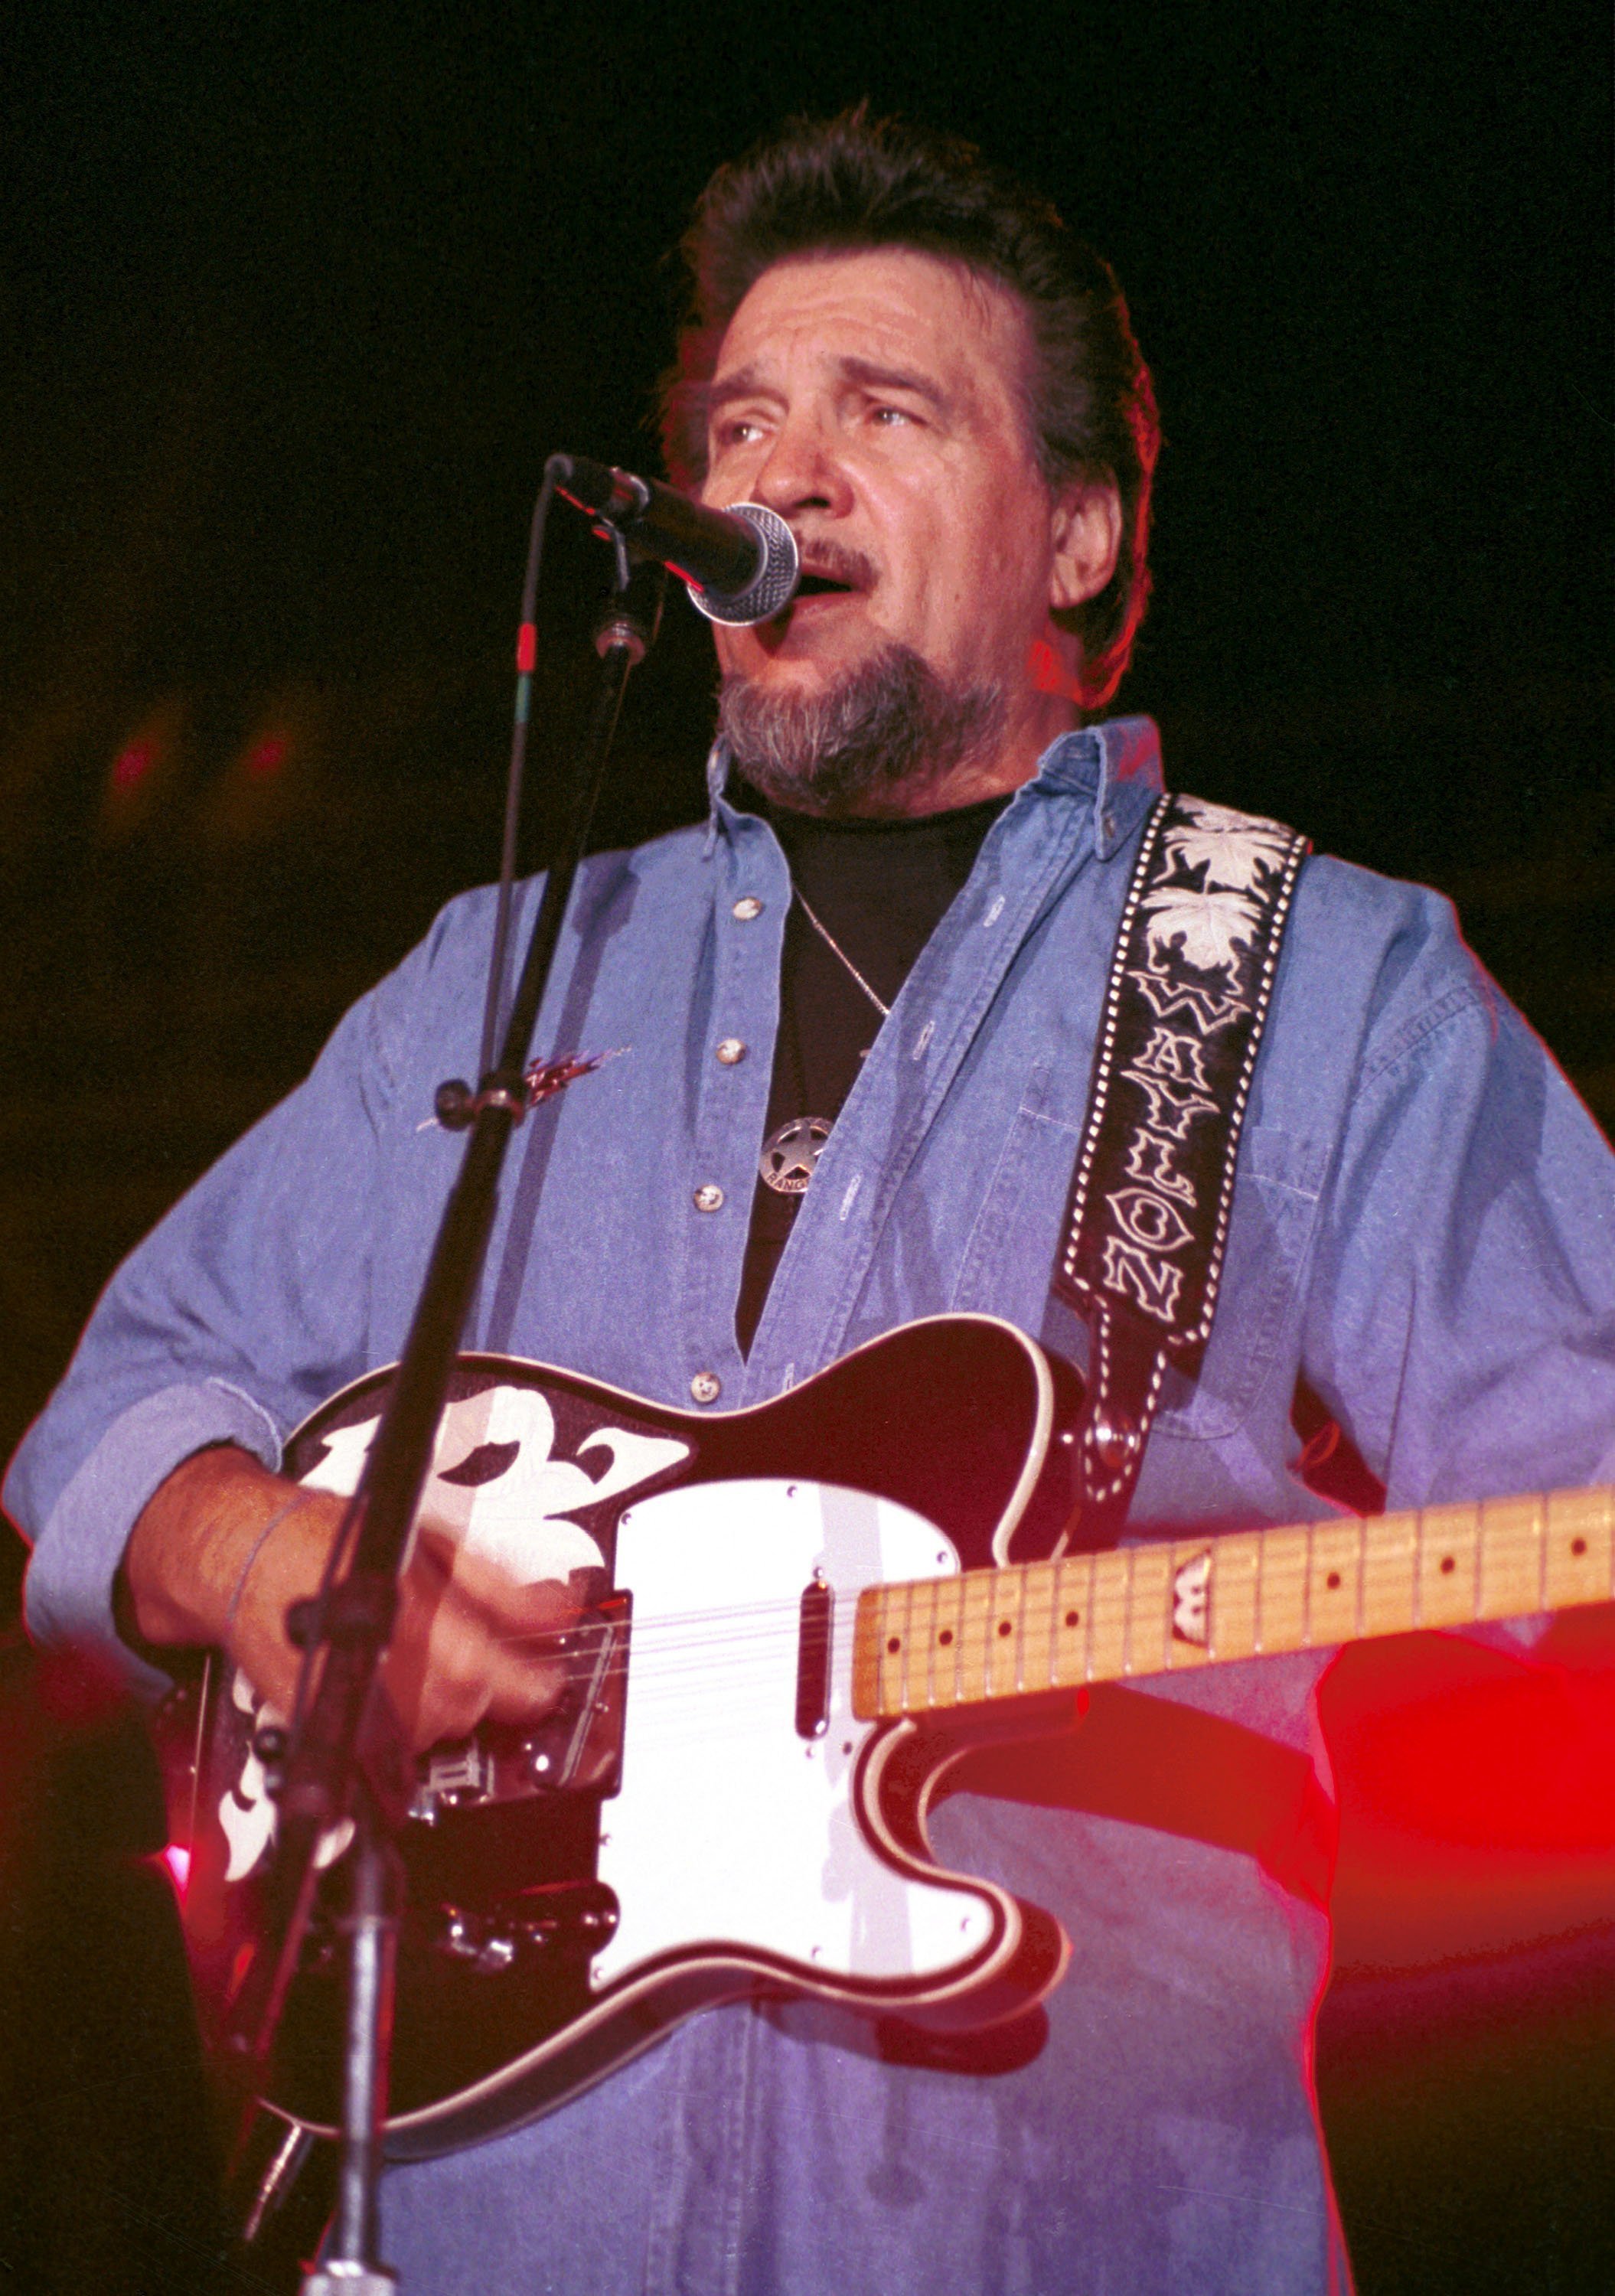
x=296, y=299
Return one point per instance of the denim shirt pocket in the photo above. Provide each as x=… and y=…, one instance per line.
x=1275, y=1204
x=1008, y=1262
x=1005, y=1268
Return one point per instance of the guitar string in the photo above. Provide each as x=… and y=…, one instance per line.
x=715, y=1631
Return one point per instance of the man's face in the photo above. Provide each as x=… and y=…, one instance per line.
x=875, y=401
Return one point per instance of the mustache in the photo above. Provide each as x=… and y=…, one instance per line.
x=838, y=560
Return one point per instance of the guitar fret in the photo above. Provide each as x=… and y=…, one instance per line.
x=1449, y=1540
x=1047, y=1575
x=1511, y=1558
x=1150, y=1601
x=950, y=1600
x=1000, y=1645
x=1107, y=1618
x=1475, y=1559
x=1235, y=1595
x=1192, y=1566
x=1334, y=1582
x=1579, y=1546
x=1388, y=1551
x=1071, y=1615
x=1020, y=1644
x=1086, y=1607
x=921, y=1645
x=1283, y=1599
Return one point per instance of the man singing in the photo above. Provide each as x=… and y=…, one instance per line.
x=863, y=1002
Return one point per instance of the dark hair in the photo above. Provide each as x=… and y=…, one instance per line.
x=853, y=182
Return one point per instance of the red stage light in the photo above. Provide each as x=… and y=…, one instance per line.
x=133, y=763
x=267, y=755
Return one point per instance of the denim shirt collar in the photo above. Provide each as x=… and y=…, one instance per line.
x=1093, y=765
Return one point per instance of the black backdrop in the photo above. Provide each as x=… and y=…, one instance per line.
x=296, y=300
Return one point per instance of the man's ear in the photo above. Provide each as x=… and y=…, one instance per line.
x=1086, y=535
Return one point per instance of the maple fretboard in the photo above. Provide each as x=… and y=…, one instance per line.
x=1157, y=1607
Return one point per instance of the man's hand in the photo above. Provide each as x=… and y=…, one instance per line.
x=208, y=1562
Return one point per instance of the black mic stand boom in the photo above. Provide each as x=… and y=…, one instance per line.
x=344, y=1759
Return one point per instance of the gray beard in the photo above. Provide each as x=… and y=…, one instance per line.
x=889, y=724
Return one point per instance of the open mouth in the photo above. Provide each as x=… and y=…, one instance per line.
x=822, y=585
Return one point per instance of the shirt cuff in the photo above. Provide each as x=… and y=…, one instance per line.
x=69, y=1594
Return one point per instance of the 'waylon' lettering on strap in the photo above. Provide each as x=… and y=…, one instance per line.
x=1142, y=1248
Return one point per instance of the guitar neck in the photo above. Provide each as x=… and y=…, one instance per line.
x=1160, y=1608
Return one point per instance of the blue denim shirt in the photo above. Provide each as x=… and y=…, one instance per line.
x=1424, y=1221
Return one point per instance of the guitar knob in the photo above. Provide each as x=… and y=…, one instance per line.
x=270, y=1746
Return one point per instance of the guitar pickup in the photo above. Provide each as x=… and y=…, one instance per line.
x=815, y=1625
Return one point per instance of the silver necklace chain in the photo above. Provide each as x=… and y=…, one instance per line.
x=835, y=948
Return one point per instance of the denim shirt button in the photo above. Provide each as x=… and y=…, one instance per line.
x=706, y=1387
x=747, y=907
x=708, y=1197
x=730, y=1050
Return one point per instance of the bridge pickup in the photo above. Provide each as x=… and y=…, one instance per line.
x=815, y=1627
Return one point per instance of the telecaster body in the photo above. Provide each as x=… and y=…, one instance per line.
x=798, y=1617
x=703, y=1818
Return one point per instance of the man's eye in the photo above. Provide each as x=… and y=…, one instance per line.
x=890, y=417
x=738, y=431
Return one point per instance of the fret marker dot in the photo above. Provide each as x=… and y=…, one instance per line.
x=1005, y=1628
x=946, y=1636
x=1333, y=1582
x=1447, y=1566
x=1073, y=1618
x=893, y=1643
x=1578, y=1546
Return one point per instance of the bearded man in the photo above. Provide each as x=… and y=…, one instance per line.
x=880, y=968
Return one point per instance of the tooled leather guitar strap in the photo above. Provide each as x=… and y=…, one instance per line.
x=1141, y=1253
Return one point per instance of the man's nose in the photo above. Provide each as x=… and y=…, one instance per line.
x=802, y=472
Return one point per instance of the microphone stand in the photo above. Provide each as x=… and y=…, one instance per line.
x=345, y=1760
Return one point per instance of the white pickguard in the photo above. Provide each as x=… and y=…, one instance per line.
x=729, y=1825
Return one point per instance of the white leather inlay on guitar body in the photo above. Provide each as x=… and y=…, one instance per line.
x=729, y=1825
x=515, y=1518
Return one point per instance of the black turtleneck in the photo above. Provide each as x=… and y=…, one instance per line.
x=880, y=889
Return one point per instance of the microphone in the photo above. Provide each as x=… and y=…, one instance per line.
x=740, y=564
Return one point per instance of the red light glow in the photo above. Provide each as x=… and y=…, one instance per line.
x=178, y=1862
x=267, y=755
x=133, y=763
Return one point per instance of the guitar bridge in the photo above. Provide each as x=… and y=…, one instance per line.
x=576, y=1749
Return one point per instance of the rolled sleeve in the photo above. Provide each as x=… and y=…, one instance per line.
x=77, y=1555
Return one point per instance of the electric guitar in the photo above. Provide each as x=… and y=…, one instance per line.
x=799, y=1616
